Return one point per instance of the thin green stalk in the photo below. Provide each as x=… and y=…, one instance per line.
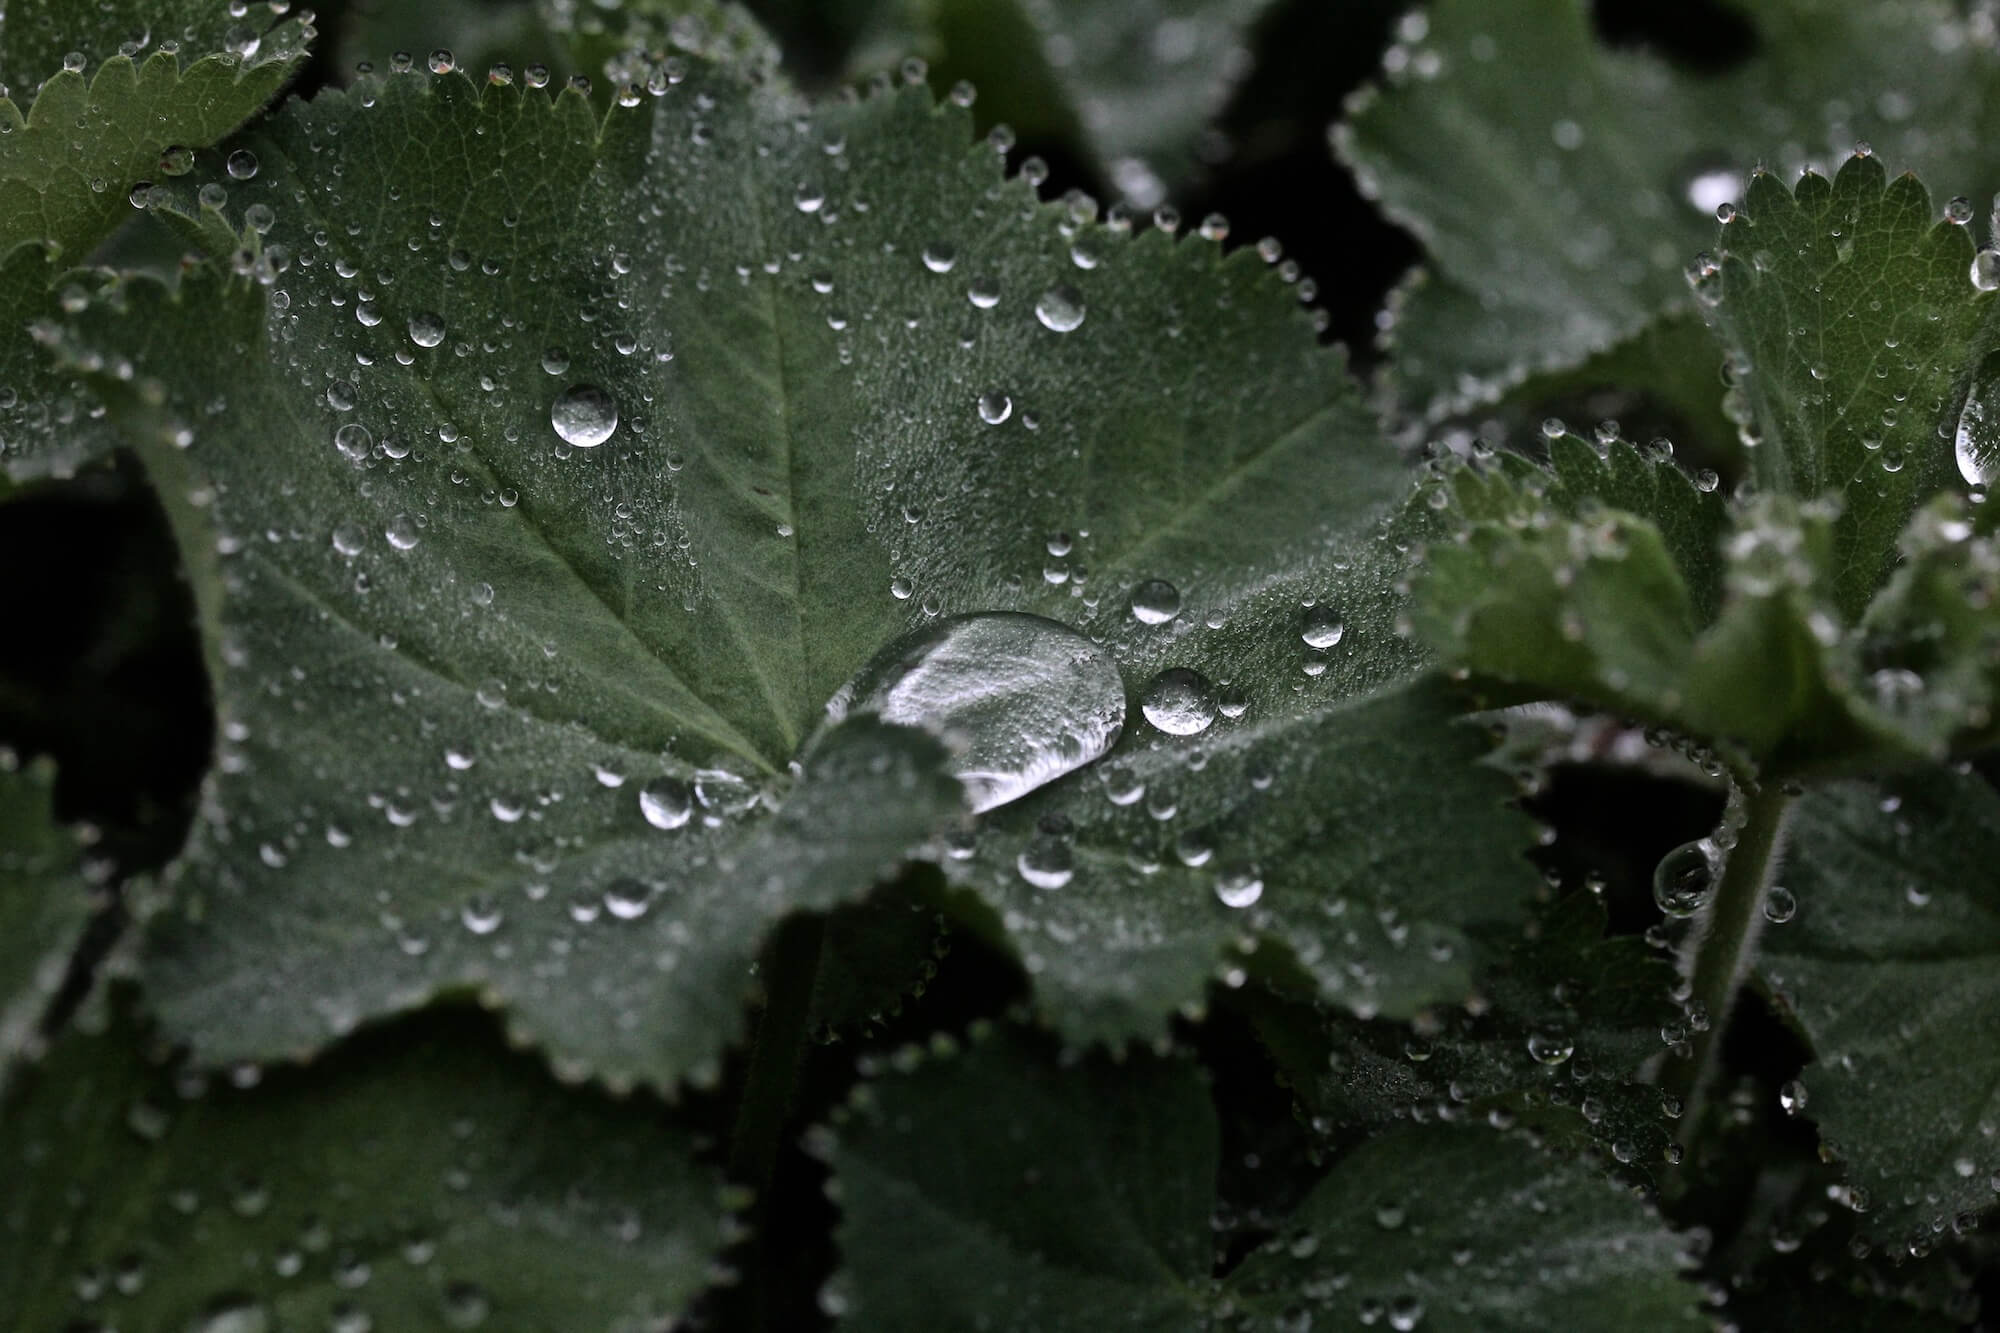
x=1718, y=957
x=790, y=974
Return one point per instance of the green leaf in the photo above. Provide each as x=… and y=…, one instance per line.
x=1075, y=1197
x=1133, y=85
x=1565, y=1020
x=433, y=1182
x=1888, y=971
x=1715, y=620
x=1560, y=187
x=1330, y=805
x=1852, y=325
x=71, y=164
x=45, y=901
x=795, y=311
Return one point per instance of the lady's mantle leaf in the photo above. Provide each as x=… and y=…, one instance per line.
x=1889, y=971
x=559, y=480
x=1081, y=1198
x=1561, y=187
x=45, y=901
x=407, y=1184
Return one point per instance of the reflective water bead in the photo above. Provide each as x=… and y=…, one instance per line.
x=995, y=407
x=584, y=415
x=666, y=803
x=1322, y=627
x=1155, y=602
x=1239, y=886
x=426, y=328
x=1179, y=702
x=1684, y=878
x=1060, y=308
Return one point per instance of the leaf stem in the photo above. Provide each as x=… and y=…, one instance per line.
x=791, y=972
x=1719, y=954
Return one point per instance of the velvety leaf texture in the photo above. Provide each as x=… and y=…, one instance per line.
x=45, y=901
x=466, y=617
x=1073, y=1198
x=1560, y=209
x=1888, y=972
x=435, y=1183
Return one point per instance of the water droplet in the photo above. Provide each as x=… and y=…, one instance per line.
x=940, y=257
x=667, y=803
x=1179, y=702
x=354, y=441
x=402, y=532
x=426, y=329
x=1155, y=602
x=1323, y=628
x=584, y=415
x=1977, y=445
x=995, y=407
x=1027, y=700
x=627, y=898
x=1122, y=785
x=235, y=1314
x=1047, y=862
x=1684, y=878
x=481, y=915
x=1780, y=905
x=1060, y=308
x=1792, y=1097
x=1550, y=1048
x=242, y=164
x=466, y=1305
x=984, y=293
x=348, y=539
x=1239, y=885
x=1405, y=1313
x=1986, y=269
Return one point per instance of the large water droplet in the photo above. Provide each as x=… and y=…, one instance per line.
x=584, y=415
x=666, y=803
x=1239, y=886
x=1179, y=702
x=1024, y=700
x=1047, y=862
x=1683, y=879
x=1060, y=308
x=1155, y=602
x=1977, y=445
x=427, y=329
x=1323, y=627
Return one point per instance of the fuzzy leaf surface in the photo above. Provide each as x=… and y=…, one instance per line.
x=1854, y=327
x=45, y=902
x=1073, y=1197
x=1888, y=970
x=431, y=1182
x=1560, y=210
x=435, y=617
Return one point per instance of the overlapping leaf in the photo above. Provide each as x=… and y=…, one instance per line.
x=1888, y=970
x=861, y=381
x=1565, y=1022
x=1072, y=1198
x=1560, y=187
x=433, y=1182
x=108, y=92
x=1855, y=330
x=45, y=901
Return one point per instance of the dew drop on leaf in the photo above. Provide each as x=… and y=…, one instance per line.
x=1060, y=308
x=667, y=803
x=1792, y=1097
x=1780, y=905
x=995, y=407
x=1239, y=886
x=426, y=329
x=1179, y=702
x=627, y=898
x=1986, y=269
x=1047, y=862
x=1323, y=627
x=1550, y=1048
x=1977, y=444
x=584, y=415
x=1155, y=602
x=1683, y=879
x=1023, y=699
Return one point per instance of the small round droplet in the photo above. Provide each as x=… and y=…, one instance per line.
x=1986, y=269
x=1179, y=702
x=1780, y=905
x=1239, y=886
x=1323, y=627
x=480, y=915
x=242, y=164
x=995, y=407
x=627, y=898
x=1047, y=862
x=1550, y=1048
x=1155, y=602
x=426, y=328
x=940, y=257
x=1792, y=1097
x=1060, y=308
x=354, y=441
x=584, y=415
x=667, y=803
x=1683, y=879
